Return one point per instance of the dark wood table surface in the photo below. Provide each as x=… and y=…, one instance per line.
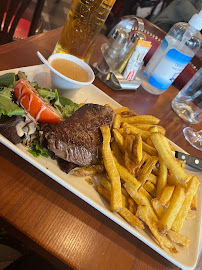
x=53, y=221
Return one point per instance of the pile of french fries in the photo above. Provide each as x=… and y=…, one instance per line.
x=142, y=180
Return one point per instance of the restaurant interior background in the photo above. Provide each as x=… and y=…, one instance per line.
x=53, y=16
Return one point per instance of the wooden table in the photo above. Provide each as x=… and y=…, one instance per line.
x=52, y=220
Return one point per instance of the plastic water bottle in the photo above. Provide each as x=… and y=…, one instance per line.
x=174, y=53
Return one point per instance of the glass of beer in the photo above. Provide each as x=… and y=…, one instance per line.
x=84, y=22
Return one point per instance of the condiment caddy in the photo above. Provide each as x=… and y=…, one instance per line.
x=123, y=56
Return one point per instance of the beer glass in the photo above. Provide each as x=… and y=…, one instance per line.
x=84, y=22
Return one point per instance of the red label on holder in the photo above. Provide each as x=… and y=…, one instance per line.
x=130, y=75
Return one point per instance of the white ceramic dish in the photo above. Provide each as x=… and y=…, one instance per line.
x=187, y=257
x=60, y=81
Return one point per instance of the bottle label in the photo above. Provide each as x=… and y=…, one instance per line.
x=168, y=69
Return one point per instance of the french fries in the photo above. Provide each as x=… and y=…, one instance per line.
x=142, y=119
x=124, y=212
x=106, y=184
x=137, y=148
x=166, y=195
x=145, y=193
x=190, y=192
x=142, y=180
x=134, y=130
x=119, y=139
x=162, y=239
x=149, y=149
x=194, y=203
x=117, y=153
x=113, y=174
x=152, y=178
x=158, y=208
x=170, y=214
x=178, y=238
x=148, y=126
x=144, y=173
x=166, y=154
x=89, y=171
x=162, y=178
x=122, y=109
x=133, y=152
x=150, y=187
x=132, y=206
x=126, y=176
x=141, y=199
x=117, y=121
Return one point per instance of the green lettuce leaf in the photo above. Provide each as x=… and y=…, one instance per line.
x=7, y=106
x=64, y=105
x=50, y=95
x=36, y=150
x=7, y=80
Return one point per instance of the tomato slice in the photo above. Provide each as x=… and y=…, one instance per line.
x=36, y=106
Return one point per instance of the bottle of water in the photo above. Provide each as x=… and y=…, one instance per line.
x=174, y=53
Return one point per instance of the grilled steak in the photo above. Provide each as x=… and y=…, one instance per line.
x=78, y=139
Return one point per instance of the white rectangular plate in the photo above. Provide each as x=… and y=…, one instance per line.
x=187, y=257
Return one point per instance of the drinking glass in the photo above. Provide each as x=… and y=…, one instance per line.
x=188, y=102
x=193, y=137
x=83, y=24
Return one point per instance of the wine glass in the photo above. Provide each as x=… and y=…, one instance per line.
x=193, y=137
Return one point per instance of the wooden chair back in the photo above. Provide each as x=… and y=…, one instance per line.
x=11, y=12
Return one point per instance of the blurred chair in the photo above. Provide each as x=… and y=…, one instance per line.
x=17, y=20
x=164, y=4
x=155, y=35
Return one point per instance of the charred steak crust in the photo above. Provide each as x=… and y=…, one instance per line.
x=78, y=139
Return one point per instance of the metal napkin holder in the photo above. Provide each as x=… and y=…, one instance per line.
x=114, y=79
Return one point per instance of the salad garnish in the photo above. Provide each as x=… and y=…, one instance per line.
x=16, y=97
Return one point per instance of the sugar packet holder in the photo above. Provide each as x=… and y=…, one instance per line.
x=102, y=70
x=107, y=70
x=135, y=62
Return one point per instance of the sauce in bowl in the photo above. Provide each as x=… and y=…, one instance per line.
x=70, y=69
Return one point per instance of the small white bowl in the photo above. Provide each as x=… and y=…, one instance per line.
x=60, y=81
